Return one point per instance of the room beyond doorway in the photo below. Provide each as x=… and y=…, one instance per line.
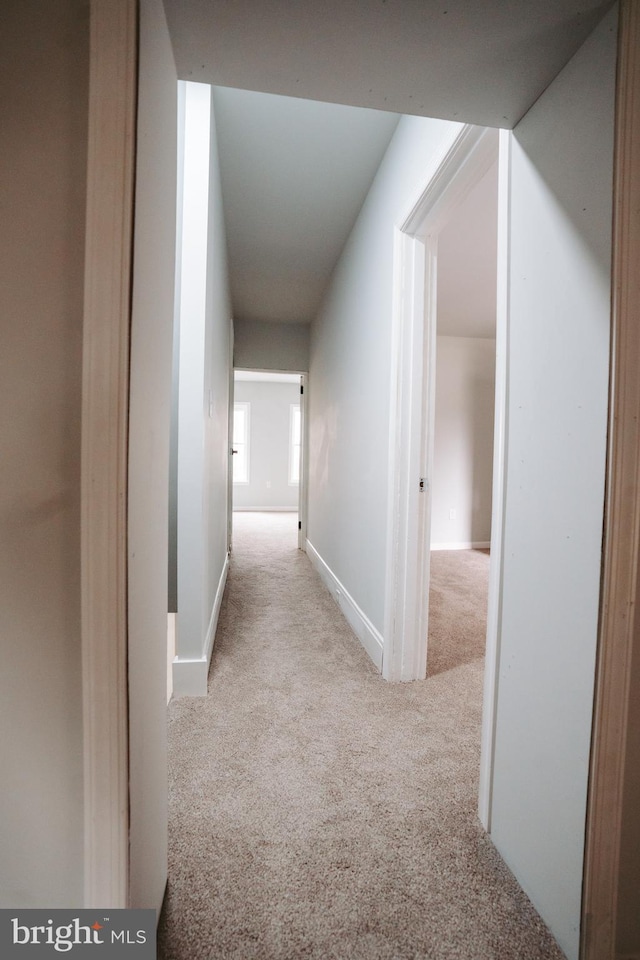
x=266, y=448
x=463, y=426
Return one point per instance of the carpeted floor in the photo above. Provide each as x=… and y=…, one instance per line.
x=457, y=608
x=319, y=812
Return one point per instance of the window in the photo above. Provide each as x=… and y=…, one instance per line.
x=241, y=442
x=295, y=425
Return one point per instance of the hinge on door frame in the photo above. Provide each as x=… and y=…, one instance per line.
x=301, y=389
x=299, y=524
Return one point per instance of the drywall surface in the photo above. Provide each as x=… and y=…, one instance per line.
x=175, y=362
x=190, y=621
x=463, y=442
x=269, y=432
x=263, y=345
x=483, y=62
x=468, y=264
x=350, y=373
x=559, y=316
x=217, y=374
x=149, y=418
x=43, y=161
x=294, y=174
x=204, y=370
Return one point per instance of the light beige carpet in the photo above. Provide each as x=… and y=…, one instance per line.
x=317, y=811
x=457, y=608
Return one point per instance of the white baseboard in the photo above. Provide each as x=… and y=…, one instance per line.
x=215, y=613
x=190, y=676
x=369, y=637
x=265, y=509
x=463, y=545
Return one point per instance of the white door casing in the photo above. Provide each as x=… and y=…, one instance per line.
x=413, y=375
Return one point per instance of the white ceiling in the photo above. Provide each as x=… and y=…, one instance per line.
x=294, y=176
x=480, y=61
x=467, y=264
x=295, y=171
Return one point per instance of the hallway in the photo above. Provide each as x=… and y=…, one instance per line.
x=316, y=811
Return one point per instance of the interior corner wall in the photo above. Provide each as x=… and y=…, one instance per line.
x=350, y=374
x=269, y=438
x=149, y=420
x=463, y=441
x=43, y=159
x=264, y=345
x=559, y=309
x=204, y=371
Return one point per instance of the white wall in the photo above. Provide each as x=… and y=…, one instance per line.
x=559, y=315
x=175, y=364
x=217, y=376
x=150, y=393
x=350, y=372
x=43, y=117
x=467, y=263
x=269, y=427
x=463, y=441
x=204, y=370
x=271, y=346
x=191, y=407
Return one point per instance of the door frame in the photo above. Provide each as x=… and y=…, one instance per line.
x=619, y=633
x=303, y=487
x=413, y=420
x=104, y=463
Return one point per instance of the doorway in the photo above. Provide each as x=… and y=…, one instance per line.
x=462, y=468
x=472, y=155
x=267, y=463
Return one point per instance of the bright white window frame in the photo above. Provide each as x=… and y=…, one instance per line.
x=245, y=406
x=295, y=444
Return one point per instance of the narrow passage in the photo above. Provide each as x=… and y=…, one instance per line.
x=317, y=811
